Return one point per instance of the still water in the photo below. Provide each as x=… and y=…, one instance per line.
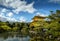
x=13, y=37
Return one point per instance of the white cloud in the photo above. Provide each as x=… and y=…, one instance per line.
x=10, y=14
x=3, y=14
x=19, y=6
x=12, y=19
x=22, y=19
x=4, y=18
x=54, y=1
x=4, y=10
x=40, y=14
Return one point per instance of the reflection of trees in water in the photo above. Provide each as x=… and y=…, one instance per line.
x=12, y=35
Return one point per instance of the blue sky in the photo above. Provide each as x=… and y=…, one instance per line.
x=25, y=10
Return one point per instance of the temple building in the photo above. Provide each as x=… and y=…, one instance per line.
x=37, y=21
x=39, y=18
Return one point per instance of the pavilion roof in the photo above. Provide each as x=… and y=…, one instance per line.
x=39, y=17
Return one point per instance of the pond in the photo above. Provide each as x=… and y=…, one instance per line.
x=13, y=37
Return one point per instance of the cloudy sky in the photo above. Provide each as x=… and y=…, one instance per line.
x=25, y=10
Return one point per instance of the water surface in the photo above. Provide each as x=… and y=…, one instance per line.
x=13, y=37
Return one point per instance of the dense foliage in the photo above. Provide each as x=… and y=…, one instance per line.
x=13, y=27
